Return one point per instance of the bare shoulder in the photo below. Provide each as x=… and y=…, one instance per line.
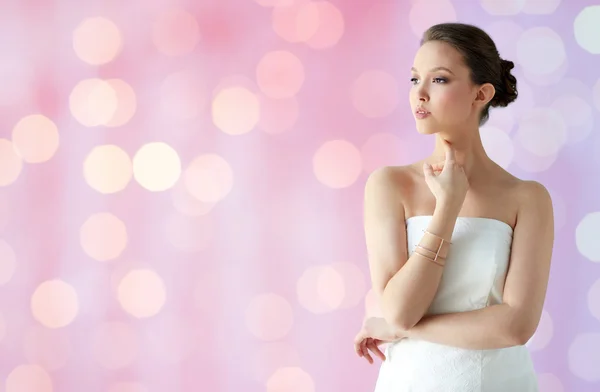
x=533, y=195
x=391, y=178
x=388, y=185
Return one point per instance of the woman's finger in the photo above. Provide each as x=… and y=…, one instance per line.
x=375, y=349
x=357, y=343
x=365, y=351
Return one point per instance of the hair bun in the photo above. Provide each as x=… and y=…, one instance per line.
x=506, y=90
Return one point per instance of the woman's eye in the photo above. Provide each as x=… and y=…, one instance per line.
x=440, y=80
x=413, y=80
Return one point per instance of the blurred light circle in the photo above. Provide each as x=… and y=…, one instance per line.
x=29, y=378
x=36, y=139
x=156, y=166
x=107, y=169
x=103, y=236
x=93, y=102
x=337, y=164
x=176, y=32
x=54, y=304
x=142, y=293
x=235, y=110
x=587, y=28
x=208, y=178
x=97, y=40
x=280, y=74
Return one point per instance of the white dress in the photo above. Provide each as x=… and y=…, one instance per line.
x=473, y=278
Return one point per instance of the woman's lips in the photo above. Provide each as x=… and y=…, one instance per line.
x=421, y=114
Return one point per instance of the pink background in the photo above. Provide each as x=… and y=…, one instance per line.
x=181, y=184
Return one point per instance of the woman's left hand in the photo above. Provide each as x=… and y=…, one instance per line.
x=374, y=332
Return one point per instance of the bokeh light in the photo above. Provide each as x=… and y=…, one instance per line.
x=280, y=74
x=320, y=289
x=542, y=132
x=586, y=236
x=498, y=145
x=29, y=378
x=142, y=293
x=54, y=303
x=35, y=137
x=540, y=50
x=126, y=103
x=337, y=164
x=352, y=280
x=107, y=169
x=271, y=356
x=290, y=379
x=235, y=110
x=93, y=102
x=97, y=40
x=295, y=20
x=593, y=299
x=543, y=334
x=176, y=32
x=156, y=166
x=208, y=178
x=584, y=356
x=329, y=20
x=587, y=28
x=103, y=236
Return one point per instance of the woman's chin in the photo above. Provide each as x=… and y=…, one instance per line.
x=425, y=130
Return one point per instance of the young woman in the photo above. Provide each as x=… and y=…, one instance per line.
x=459, y=249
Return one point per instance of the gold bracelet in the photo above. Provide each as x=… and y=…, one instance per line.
x=428, y=250
x=432, y=260
x=443, y=240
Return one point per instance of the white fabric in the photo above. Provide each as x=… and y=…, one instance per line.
x=473, y=278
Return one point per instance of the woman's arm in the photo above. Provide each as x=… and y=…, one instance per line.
x=515, y=320
x=406, y=285
x=488, y=328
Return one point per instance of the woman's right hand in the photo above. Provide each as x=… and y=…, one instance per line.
x=447, y=181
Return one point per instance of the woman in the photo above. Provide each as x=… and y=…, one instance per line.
x=459, y=249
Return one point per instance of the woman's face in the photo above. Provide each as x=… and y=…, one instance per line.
x=441, y=86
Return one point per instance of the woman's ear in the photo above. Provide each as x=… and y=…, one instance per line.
x=484, y=94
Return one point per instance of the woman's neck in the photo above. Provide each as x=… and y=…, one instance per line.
x=469, y=153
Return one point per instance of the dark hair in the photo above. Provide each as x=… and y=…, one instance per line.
x=481, y=56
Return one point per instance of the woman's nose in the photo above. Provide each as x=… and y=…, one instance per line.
x=422, y=93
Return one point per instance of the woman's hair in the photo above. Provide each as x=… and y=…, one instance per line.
x=482, y=57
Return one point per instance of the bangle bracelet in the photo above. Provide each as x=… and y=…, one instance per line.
x=443, y=240
x=430, y=259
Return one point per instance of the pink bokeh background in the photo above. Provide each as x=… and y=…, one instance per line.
x=181, y=185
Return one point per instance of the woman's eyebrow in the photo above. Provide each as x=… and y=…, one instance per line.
x=435, y=69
